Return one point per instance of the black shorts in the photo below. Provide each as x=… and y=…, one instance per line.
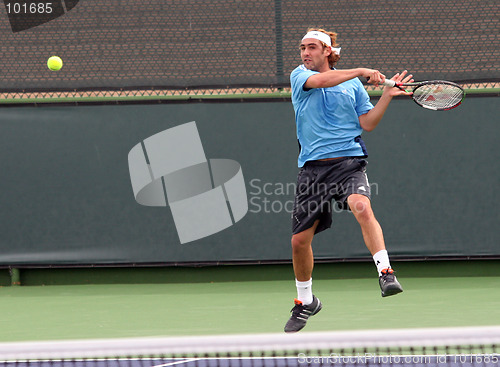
x=320, y=182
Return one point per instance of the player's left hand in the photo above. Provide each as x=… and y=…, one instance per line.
x=402, y=77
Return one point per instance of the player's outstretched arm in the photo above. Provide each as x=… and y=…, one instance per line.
x=332, y=78
x=370, y=120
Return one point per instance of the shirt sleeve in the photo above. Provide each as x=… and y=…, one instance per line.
x=298, y=78
x=363, y=104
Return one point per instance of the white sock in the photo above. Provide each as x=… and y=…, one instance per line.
x=381, y=260
x=304, y=291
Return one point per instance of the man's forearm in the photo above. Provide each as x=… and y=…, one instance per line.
x=332, y=78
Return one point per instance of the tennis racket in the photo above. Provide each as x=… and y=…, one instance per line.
x=437, y=95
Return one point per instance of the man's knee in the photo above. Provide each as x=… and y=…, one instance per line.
x=300, y=240
x=361, y=207
x=304, y=239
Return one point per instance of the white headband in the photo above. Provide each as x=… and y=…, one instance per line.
x=323, y=37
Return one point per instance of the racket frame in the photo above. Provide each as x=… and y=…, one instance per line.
x=392, y=83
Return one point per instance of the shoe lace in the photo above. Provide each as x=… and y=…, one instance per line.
x=387, y=274
x=297, y=309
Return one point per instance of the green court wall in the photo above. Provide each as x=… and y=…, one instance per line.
x=67, y=198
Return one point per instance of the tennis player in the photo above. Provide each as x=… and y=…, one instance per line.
x=332, y=108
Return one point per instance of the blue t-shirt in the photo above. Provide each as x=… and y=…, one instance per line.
x=328, y=118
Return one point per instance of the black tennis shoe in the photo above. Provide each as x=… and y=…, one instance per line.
x=301, y=313
x=389, y=285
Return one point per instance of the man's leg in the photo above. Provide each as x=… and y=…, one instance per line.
x=372, y=232
x=302, y=254
x=374, y=239
x=306, y=305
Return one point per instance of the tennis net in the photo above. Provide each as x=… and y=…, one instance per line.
x=470, y=346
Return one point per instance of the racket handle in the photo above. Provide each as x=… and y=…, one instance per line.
x=389, y=83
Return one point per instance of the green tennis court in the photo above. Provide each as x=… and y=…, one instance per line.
x=225, y=300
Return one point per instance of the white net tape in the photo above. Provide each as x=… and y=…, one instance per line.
x=356, y=340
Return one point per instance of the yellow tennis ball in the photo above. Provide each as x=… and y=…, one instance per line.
x=54, y=63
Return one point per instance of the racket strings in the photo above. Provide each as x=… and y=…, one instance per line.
x=438, y=96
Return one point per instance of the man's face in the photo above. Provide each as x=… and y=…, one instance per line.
x=313, y=54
